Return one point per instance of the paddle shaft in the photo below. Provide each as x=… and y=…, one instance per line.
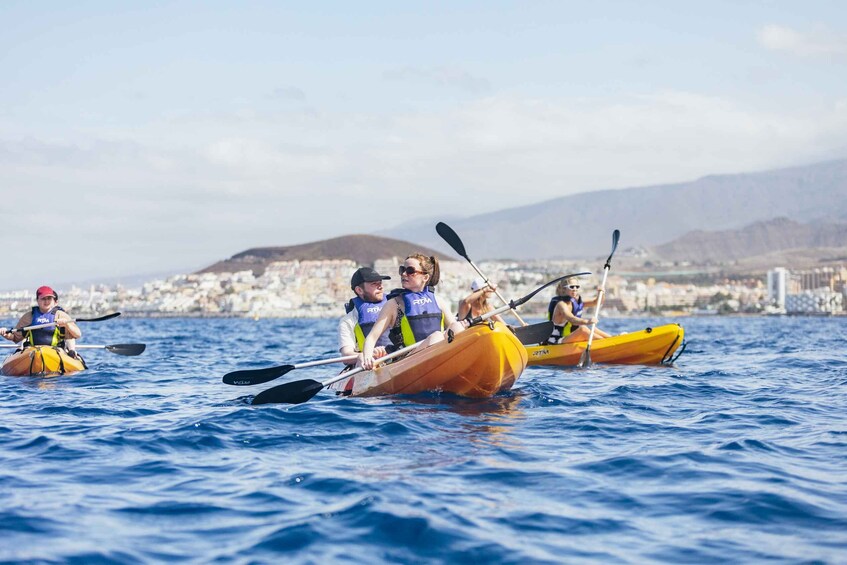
x=512, y=304
x=325, y=361
x=597, y=308
x=51, y=324
x=357, y=370
x=585, y=358
x=449, y=235
x=497, y=292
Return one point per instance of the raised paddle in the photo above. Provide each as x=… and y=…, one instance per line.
x=100, y=319
x=585, y=359
x=297, y=392
x=453, y=240
x=246, y=377
x=128, y=349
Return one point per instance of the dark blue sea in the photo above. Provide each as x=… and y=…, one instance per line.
x=738, y=453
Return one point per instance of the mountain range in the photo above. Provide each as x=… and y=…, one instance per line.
x=580, y=225
x=793, y=217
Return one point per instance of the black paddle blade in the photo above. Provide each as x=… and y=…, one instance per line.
x=452, y=238
x=290, y=393
x=128, y=349
x=100, y=319
x=616, y=236
x=246, y=377
x=534, y=333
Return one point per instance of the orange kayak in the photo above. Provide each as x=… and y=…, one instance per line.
x=480, y=362
x=650, y=346
x=41, y=361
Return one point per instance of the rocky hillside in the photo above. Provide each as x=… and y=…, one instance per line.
x=362, y=249
x=581, y=225
x=759, y=238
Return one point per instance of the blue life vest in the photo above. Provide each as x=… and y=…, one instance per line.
x=422, y=316
x=368, y=313
x=565, y=330
x=54, y=336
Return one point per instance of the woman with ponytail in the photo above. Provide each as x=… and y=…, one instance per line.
x=420, y=314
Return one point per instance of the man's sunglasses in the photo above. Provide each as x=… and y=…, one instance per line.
x=573, y=286
x=410, y=271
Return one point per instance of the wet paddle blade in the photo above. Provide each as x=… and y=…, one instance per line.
x=128, y=349
x=295, y=392
x=585, y=359
x=534, y=333
x=247, y=377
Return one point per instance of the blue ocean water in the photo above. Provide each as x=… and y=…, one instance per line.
x=738, y=453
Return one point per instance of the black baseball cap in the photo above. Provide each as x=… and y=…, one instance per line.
x=366, y=274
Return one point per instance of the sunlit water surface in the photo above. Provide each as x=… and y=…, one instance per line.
x=738, y=453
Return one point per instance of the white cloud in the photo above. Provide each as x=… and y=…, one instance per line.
x=137, y=205
x=820, y=42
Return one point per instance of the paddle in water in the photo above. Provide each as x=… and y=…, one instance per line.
x=297, y=392
x=585, y=359
x=247, y=377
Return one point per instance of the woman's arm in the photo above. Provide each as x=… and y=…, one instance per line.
x=445, y=309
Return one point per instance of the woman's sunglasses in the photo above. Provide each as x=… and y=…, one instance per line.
x=410, y=271
x=573, y=286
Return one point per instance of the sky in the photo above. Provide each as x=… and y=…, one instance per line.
x=157, y=137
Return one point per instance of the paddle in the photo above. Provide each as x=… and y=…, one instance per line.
x=453, y=240
x=297, y=392
x=128, y=349
x=100, y=319
x=585, y=359
x=246, y=377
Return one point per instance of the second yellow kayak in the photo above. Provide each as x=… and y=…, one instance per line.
x=650, y=346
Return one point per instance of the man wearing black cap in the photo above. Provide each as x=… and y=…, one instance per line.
x=362, y=312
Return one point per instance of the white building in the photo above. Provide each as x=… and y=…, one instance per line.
x=821, y=301
x=778, y=287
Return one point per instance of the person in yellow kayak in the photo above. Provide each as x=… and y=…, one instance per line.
x=362, y=312
x=64, y=334
x=565, y=311
x=477, y=302
x=421, y=314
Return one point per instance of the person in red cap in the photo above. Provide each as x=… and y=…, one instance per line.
x=63, y=334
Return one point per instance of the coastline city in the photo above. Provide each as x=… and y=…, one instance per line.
x=320, y=288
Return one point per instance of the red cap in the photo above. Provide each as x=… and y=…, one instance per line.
x=42, y=290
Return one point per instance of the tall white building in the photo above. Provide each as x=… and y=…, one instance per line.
x=777, y=287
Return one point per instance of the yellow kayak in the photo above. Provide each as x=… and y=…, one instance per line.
x=480, y=362
x=650, y=346
x=41, y=361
